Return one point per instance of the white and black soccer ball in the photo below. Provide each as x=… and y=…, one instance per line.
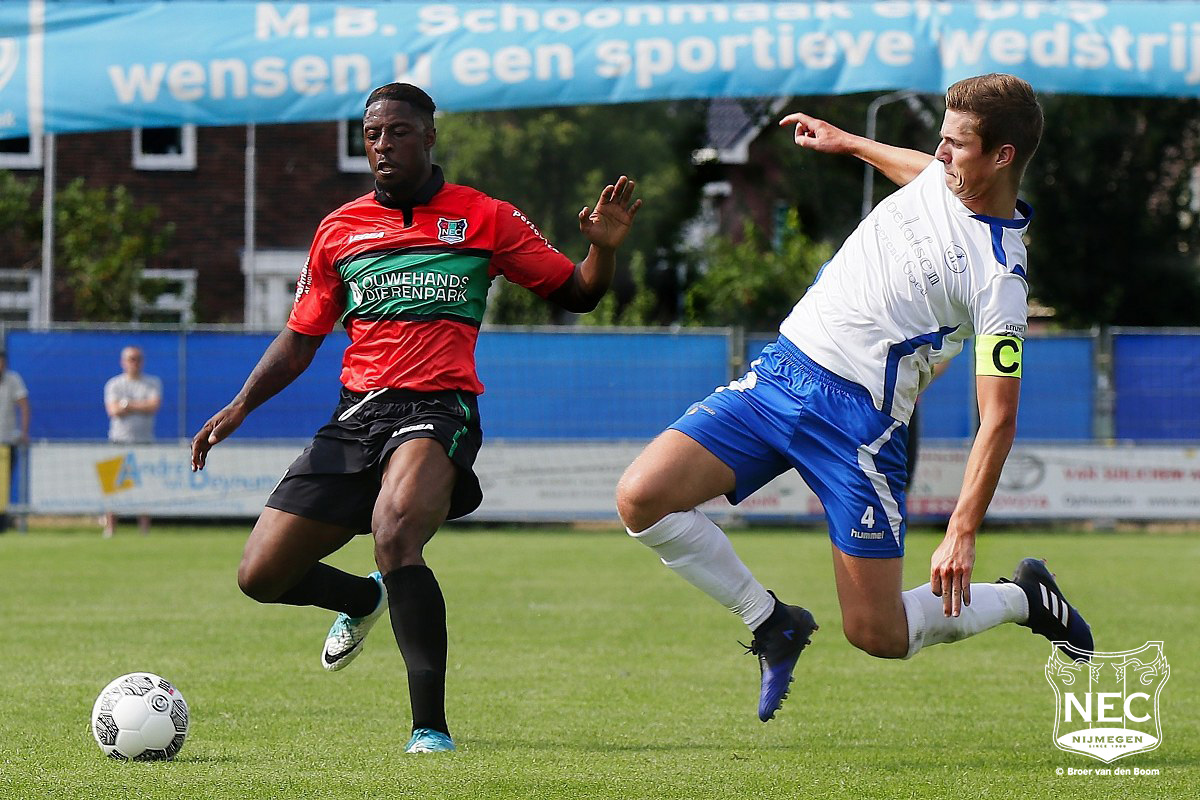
x=140, y=716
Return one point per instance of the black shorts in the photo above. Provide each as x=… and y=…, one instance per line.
x=337, y=479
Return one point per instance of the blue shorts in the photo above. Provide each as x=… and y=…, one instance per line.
x=788, y=411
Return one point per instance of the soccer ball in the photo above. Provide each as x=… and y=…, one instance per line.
x=140, y=716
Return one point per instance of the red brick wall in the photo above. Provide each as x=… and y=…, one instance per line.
x=298, y=184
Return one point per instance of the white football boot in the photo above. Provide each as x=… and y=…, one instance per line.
x=346, y=637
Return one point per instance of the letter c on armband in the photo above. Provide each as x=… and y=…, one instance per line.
x=998, y=355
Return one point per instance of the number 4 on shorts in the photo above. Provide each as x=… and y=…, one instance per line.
x=868, y=518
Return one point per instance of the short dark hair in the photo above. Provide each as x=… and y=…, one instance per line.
x=406, y=92
x=1008, y=112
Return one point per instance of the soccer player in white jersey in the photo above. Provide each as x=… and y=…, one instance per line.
x=938, y=262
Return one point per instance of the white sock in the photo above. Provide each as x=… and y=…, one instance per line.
x=692, y=545
x=991, y=605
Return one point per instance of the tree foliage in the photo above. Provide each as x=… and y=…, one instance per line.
x=752, y=283
x=827, y=190
x=638, y=310
x=1115, y=237
x=510, y=304
x=20, y=220
x=552, y=162
x=104, y=241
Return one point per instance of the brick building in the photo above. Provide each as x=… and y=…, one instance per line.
x=196, y=177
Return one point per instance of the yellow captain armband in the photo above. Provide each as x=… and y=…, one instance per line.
x=998, y=355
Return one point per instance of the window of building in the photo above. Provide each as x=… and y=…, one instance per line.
x=171, y=148
x=22, y=153
x=351, y=155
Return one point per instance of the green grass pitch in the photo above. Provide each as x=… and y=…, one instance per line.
x=579, y=668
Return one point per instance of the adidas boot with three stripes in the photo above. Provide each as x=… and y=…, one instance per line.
x=1050, y=614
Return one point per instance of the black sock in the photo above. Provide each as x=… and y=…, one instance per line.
x=778, y=614
x=419, y=622
x=328, y=587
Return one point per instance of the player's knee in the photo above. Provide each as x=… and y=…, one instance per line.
x=874, y=639
x=636, y=502
x=258, y=584
x=394, y=549
x=400, y=539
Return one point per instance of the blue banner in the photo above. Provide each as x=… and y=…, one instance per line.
x=19, y=65
x=101, y=65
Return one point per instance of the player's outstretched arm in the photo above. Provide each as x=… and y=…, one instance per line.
x=285, y=358
x=605, y=227
x=900, y=165
x=952, y=562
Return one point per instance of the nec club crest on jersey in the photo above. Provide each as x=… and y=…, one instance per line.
x=452, y=231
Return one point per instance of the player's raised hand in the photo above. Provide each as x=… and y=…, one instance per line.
x=950, y=572
x=816, y=134
x=223, y=423
x=609, y=222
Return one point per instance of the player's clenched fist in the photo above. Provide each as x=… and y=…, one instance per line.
x=816, y=134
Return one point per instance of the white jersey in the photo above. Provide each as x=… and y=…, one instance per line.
x=919, y=276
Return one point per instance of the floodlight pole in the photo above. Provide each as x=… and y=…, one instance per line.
x=46, y=301
x=37, y=133
x=909, y=97
x=249, y=243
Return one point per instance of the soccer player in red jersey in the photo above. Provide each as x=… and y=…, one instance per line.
x=406, y=269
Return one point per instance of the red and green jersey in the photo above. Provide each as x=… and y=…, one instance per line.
x=411, y=284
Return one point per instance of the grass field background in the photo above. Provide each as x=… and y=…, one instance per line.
x=579, y=668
